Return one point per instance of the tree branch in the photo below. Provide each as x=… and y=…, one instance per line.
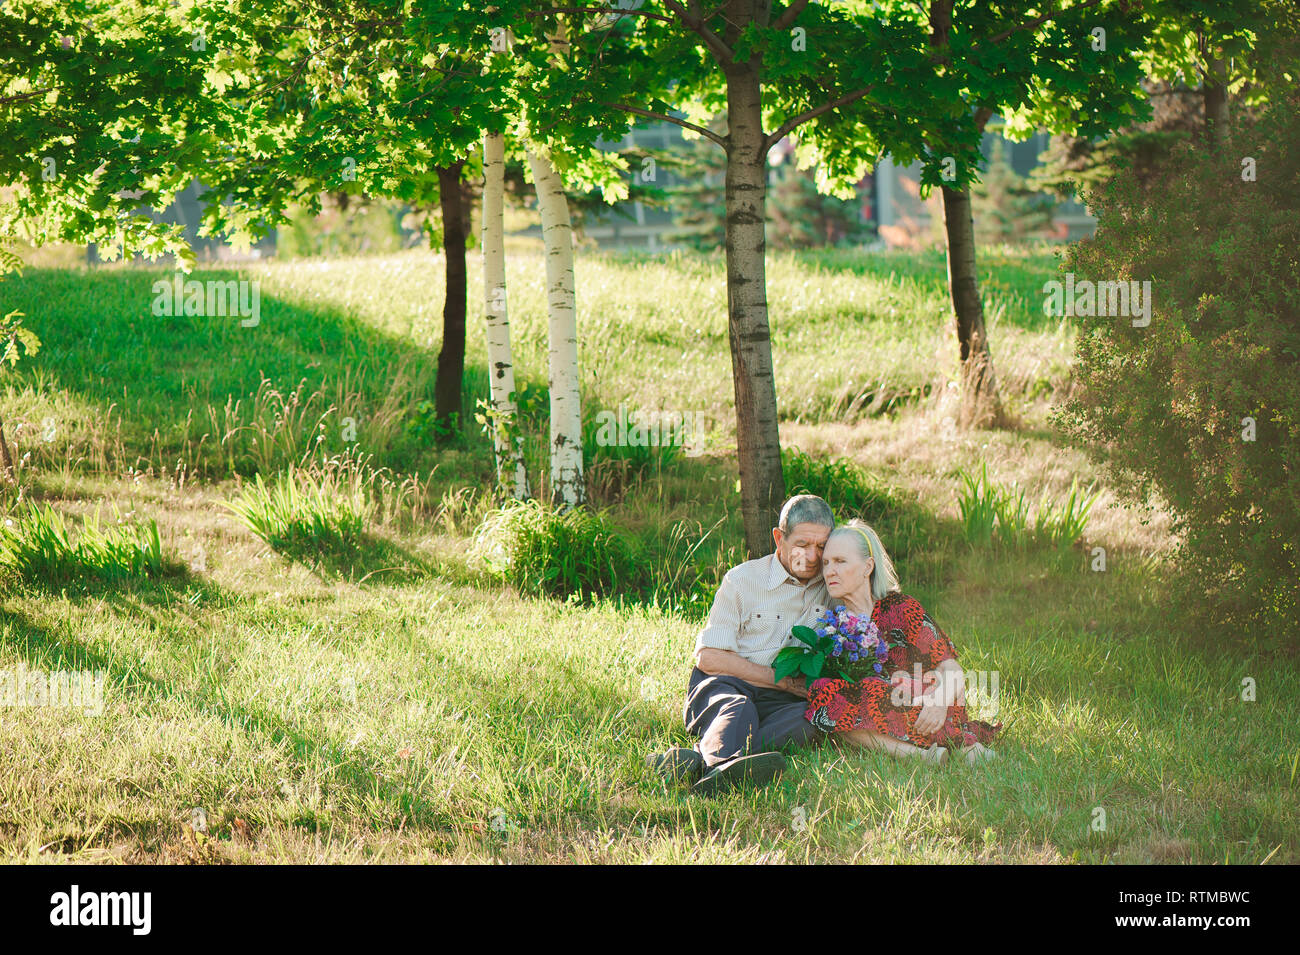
x=720, y=50
x=1037, y=21
x=650, y=114
x=21, y=97
x=780, y=132
x=607, y=11
x=786, y=20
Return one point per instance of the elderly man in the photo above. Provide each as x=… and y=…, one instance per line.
x=733, y=704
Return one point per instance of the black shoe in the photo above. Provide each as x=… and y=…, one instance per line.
x=756, y=770
x=677, y=764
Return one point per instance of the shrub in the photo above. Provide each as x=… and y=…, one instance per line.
x=37, y=546
x=850, y=489
x=542, y=551
x=611, y=469
x=306, y=514
x=986, y=508
x=978, y=503
x=1201, y=405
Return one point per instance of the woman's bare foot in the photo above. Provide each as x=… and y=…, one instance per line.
x=935, y=754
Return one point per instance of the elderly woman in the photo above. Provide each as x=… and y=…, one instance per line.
x=889, y=712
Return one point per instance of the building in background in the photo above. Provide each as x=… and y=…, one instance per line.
x=187, y=211
x=888, y=204
x=887, y=210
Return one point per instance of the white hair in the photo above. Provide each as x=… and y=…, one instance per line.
x=805, y=509
x=884, y=579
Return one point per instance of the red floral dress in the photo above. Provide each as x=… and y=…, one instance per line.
x=836, y=705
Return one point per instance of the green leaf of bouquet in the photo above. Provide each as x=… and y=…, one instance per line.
x=805, y=635
x=812, y=664
x=786, y=664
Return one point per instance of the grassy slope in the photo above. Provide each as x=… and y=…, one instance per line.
x=425, y=713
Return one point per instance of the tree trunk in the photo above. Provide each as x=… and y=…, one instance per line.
x=567, y=487
x=1214, y=90
x=10, y=475
x=980, y=405
x=758, y=441
x=451, y=357
x=511, y=474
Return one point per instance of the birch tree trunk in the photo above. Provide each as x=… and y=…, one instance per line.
x=511, y=474
x=567, y=487
x=758, y=442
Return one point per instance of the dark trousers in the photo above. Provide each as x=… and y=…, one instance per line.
x=733, y=718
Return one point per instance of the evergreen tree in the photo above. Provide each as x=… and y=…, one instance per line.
x=1006, y=207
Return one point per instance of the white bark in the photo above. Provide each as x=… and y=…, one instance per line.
x=567, y=487
x=511, y=473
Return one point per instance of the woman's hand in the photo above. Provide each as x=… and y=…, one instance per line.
x=934, y=705
x=904, y=691
x=931, y=717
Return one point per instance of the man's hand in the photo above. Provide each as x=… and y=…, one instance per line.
x=795, y=685
x=716, y=662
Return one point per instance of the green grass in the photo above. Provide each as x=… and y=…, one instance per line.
x=365, y=723
x=302, y=513
x=358, y=339
x=546, y=552
x=987, y=508
x=37, y=547
x=416, y=707
x=844, y=484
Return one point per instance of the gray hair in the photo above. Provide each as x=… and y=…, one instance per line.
x=805, y=509
x=884, y=579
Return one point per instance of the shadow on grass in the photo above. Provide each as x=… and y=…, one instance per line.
x=89, y=582
x=161, y=374
x=598, y=707
x=40, y=647
x=370, y=556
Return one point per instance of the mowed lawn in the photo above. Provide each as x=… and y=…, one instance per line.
x=416, y=709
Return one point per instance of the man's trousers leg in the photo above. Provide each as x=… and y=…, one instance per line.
x=733, y=718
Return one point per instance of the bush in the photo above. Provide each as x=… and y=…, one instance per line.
x=845, y=485
x=37, y=546
x=986, y=507
x=542, y=551
x=306, y=514
x=611, y=469
x=1201, y=405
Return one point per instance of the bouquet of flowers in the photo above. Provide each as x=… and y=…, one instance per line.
x=849, y=643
